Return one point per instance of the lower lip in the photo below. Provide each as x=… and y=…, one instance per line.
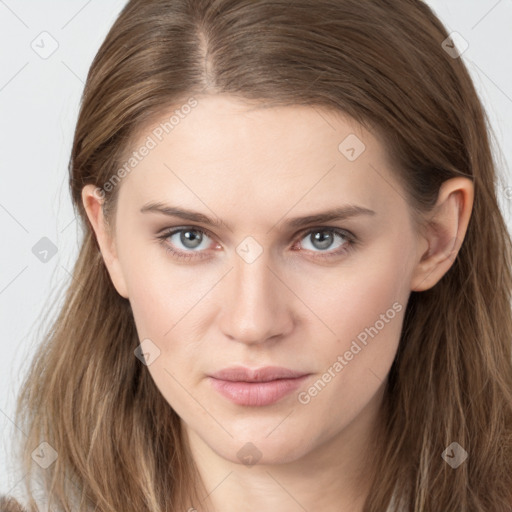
x=256, y=393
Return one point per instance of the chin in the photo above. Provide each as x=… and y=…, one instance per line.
x=256, y=449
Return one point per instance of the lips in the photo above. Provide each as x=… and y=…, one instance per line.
x=266, y=374
x=256, y=387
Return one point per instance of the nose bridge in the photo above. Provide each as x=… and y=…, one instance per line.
x=256, y=307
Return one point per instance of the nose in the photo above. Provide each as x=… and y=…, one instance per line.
x=258, y=304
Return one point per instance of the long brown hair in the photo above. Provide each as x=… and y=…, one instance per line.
x=384, y=63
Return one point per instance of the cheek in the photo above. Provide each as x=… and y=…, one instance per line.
x=164, y=301
x=351, y=298
x=162, y=294
x=362, y=301
x=364, y=306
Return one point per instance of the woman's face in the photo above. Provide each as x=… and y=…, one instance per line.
x=256, y=286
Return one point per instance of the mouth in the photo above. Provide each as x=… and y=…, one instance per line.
x=256, y=387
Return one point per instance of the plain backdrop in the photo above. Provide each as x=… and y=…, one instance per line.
x=46, y=50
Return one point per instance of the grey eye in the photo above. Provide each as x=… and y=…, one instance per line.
x=322, y=239
x=189, y=238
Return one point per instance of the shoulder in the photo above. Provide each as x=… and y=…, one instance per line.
x=8, y=504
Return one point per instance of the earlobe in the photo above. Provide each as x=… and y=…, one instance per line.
x=93, y=207
x=445, y=232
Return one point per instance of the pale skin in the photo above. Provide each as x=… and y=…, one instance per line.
x=254, y=169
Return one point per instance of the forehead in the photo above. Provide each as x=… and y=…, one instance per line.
x=220, y=125
x=230, y=151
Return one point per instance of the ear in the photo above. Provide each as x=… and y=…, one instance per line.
x=444, y=232
x=93, y=204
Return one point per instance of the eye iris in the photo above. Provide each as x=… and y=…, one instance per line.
x=186, y=237
x=324, y=241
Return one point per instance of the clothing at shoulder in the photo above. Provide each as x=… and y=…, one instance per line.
x=8, y=504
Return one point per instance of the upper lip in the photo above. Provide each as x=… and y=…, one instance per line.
x=265, y=374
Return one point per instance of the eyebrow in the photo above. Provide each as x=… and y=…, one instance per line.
x=334, y=214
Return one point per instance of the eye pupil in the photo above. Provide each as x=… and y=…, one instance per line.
x=190, y=241
x=324, y=241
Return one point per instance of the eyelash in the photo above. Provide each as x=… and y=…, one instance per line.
x=351, y=241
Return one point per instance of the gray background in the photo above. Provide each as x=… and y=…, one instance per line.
x=39, y=98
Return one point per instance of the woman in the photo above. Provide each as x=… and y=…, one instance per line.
x=331, y=330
